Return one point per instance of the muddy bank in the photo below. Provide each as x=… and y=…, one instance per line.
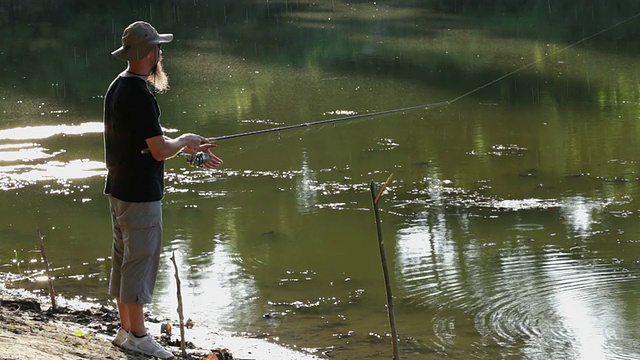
x=29, y=330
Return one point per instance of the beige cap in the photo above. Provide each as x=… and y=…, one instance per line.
x=138, y=39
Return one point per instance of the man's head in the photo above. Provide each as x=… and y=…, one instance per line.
x=138, y=40
x=141, y=48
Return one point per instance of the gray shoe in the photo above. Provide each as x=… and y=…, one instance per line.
x=146, y=345
x=121, y=336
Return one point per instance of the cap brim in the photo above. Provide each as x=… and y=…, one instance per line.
x=163, y=39
x=137, y=53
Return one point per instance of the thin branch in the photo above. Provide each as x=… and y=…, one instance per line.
x=384, y=186
x=180, y=313
x=385, y=270
x=52, y=292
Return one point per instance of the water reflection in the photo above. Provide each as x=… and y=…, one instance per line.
x=23, y=164
x=306, y=186
x=579, y=214
x=19, y=176
x=214, y=280
x=43, y=132
x=545, y=301
x=25, y=152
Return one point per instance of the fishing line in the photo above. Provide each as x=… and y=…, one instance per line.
x=543, y=58
x=430, y=105
x=415, y=107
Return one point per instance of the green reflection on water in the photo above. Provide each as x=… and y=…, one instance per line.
x=511, y=221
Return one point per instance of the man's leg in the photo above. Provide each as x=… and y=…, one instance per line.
x=117, y=253
x=123, y=310
x=133, y=316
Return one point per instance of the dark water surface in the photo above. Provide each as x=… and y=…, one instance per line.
x=511, y=221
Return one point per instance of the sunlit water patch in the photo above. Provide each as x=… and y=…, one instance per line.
x=43, y=132
x=47, y=131
x=18, y=176
x=227, y=303
x=25, y=152
x=260, y=121
x=340, y=113
x=27, y=163
x=444, y=193
x=312, y=191
x=507, y=150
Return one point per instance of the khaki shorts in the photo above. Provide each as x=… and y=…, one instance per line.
x=137, y=242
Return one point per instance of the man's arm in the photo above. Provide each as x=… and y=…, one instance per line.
x=163, y=147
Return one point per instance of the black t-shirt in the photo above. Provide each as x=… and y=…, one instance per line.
x=131, y=115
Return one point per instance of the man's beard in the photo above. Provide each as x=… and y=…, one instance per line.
x=159, y=78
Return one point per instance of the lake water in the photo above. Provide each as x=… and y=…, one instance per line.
x=510, y=223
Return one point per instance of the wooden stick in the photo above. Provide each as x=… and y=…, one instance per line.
x=180, y=314
x=384, y=186
x=52, y=292
x=385, y=269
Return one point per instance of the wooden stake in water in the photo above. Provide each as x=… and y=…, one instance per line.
x=183, y=346
x=375, y=195
x=52, y=291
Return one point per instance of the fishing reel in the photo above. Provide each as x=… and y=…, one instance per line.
x=198, y=159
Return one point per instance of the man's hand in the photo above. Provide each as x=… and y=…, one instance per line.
x=213, y=161
x=192, y=142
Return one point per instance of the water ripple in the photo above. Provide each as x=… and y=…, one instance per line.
x=551, y=302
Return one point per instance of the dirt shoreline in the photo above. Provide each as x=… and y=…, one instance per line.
x=28, y=330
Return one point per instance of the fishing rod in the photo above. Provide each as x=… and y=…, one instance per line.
x=333, y=120
x=200, y=158
x=319, y=122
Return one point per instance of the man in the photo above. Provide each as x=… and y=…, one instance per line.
x=135, y=179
